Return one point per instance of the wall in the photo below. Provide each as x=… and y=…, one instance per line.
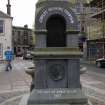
x=96, y=30
x=6, y=37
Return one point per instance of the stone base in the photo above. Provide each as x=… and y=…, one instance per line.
x=57, y=97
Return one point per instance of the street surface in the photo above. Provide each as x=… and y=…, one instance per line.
x=93, y=82
x=14, y=84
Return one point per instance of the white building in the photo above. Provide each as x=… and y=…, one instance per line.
x=5, y=33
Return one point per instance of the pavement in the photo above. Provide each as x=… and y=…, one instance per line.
x=18, y=64
x=93, y=82
x=88, y=62
x=15, y=83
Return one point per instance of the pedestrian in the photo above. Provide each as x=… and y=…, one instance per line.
x=9, y=58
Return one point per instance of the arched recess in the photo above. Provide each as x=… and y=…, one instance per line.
x=56, y=31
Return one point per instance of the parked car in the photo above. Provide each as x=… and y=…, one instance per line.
x=27, y=55
x=100, y=62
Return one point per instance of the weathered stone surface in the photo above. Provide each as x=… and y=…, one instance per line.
x=47, y=8
x=56, y=56
x=57, y=96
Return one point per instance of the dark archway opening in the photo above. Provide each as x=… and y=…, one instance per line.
x=56, y=31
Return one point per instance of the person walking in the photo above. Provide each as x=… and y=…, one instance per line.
x=9, y=58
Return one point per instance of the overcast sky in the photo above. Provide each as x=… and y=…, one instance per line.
x=22, y=11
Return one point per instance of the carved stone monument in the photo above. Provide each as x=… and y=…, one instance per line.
x=57, y=56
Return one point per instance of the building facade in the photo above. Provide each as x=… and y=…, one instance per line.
x=5, y=33
x=22, y=39
x=96, y=30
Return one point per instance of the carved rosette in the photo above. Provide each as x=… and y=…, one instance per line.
x=56, y=72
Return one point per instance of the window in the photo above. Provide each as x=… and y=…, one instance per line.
x=1, y=26
x=1, y=50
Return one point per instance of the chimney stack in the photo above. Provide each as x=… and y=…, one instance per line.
x=9, y=8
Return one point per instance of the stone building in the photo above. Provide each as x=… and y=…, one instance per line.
x=5, y=31
x=91, y=15
x=82, y=11
x=22, y=39
x=96, y=30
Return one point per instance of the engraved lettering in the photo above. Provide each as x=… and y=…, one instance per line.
x=64, y=11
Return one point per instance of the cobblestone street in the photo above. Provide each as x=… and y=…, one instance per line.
x=14, y=80
x=15, y=83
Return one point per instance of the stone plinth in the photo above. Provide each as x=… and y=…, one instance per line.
x=57, y=97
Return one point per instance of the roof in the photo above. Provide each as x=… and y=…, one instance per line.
x=74, y=1
x=21, y=28
x=83, y=1
x=4, y=15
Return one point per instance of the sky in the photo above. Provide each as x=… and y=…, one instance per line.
x=22, y=11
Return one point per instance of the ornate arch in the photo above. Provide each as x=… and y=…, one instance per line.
x=44, y=13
